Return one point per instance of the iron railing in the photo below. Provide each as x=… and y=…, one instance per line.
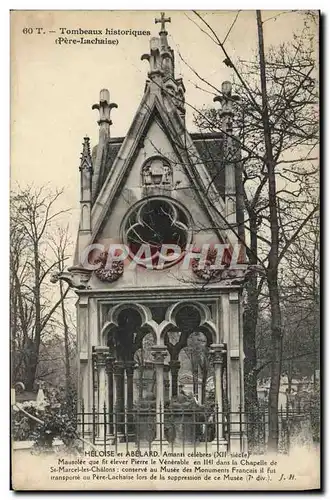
x=194, y=429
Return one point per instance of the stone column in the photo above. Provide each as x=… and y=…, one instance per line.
x=95, y=381
x=159, y=354
x=109, y=370
x=85, y=358
x=119, y=374
x=218, y=351
x=174, y=367
x=236, y=387
x=101, y=354
x=129, y=367
x=166, y=383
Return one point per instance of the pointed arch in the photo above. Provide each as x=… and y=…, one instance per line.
x=206, y=325
x=147, y=323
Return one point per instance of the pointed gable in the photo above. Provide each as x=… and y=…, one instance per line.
x=209, y=147
x=189, y=168
x=183, y=153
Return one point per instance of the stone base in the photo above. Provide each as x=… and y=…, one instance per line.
x=110, y=439
x=121, y=438
x=219, y=445
x=157, y=443
x=238, y=443
x=131, y=438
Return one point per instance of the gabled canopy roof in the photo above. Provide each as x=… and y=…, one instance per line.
x=196, y=153
x=209, y=147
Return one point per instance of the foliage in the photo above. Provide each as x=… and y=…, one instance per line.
x=58, y=416
x=145, y=404
x=316, y=412
x=184, y=402
x=25, y=428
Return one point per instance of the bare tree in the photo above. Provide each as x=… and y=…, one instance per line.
x=33, y=213
x=61, y=244
x=277, y=132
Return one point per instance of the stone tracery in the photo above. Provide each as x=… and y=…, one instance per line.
x=123, y=335
x=155, y=222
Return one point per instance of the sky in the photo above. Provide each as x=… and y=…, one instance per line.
x=53, y=87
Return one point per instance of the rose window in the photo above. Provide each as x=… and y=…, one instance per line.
x=154, y=223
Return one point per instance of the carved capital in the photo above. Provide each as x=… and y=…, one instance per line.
x=100, y=355
x=175, y=365
x=159, y=354
x=109, y=364
x=118, y=368
x=129, y=367
x=218, y=352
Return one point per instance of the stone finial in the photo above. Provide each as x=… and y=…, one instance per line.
x=226, y=88
x=167, y=54
x=85, y=157
x=163, y=20
x=104, y=106
x=161, y=56
x=154, y=57
x=226, y=99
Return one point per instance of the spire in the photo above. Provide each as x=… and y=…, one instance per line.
x=161, y=74
x=161, y=56
x=85, y=157
x=86, y=174
x=167, y=54
x=227, y=100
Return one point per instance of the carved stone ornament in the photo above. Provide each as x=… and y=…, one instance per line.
x=218, y=353
x=108, y=272
x=174, y=365
x=129, y=367
x=76, y=277
x=118, y=368
x=109, y=364
x=228, y=276
x=157, y=172
x=206, y=272
x=101, y=358
x=218, y=356
x=159, y=354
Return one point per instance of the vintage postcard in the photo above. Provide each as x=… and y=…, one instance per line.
x=164, y=257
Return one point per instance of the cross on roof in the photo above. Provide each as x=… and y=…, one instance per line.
x=163, y=20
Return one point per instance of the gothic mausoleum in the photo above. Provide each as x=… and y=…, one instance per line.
x=159, y=185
